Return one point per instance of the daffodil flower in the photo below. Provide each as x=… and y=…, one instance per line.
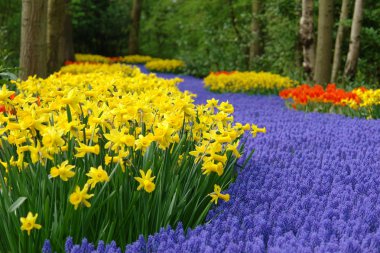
x=97, y=175
x=217, y=195
x=63, y=171
x=29, y=222
x=146, y=181
x=80, y=197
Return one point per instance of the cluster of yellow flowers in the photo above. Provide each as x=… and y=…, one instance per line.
x=87, y=67
x=251, y=82
x=161, y=65
x=369, y=97
x=112, y=115
x=367, y=105
x=91, y=58
x=136, y=59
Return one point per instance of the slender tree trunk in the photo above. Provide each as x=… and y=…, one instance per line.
x=324, y=41
x=307, y=37
x=67, y=44
x=256, y=48
x=339, y=40
x=133, y=45
x=33, y=52
x=56, y=19
x=353, y=52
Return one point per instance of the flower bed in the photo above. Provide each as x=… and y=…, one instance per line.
x=87, y=67
x=249, y=82
x=110, y=154
x=169, y=66
x=136, y=59
x=91, y=58
x=312, y=186
x=359, y=102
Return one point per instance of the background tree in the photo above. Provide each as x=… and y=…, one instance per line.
x=256, y=48
x=33, y=53
x=339, y=39
x=353, y=53
x=307, y=37
x=66, y=44
x=324, y=41
x=55, y=33
x=133, y=45
x=206, y=41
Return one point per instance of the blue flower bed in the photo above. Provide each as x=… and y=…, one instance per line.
x=313, y=185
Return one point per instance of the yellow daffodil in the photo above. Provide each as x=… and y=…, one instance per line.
x=217, y=195
x=97, y=175
x=226, y=107
x=210, y=166
x=52, y=139
x=29, y=222
x=63, y=171
x=234, y=149
x=5, y=94
x=146, y=181
x=118, y=139
x=144, y=141
x=80, y=197
x=83, y=149
x=256, y=129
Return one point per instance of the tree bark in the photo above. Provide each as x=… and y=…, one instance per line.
x=324, y=41
x=307, y=37
x=56, y=19
x=133, y=45
x=33, y=52
x=67, y=43
x=256, y=48
x=353, y=52
x=339, y=40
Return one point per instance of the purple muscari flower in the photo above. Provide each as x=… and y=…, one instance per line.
x=112, y=248
x=47, y=247
x=138, y=246
x=76, y=249
x=86, y=247
x=101, y=247
x=69, y=244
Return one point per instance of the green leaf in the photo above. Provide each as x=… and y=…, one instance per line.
x=16, y=204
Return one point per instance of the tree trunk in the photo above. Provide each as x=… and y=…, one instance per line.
x=256, y=48
x=67, y=44
x=353, y=52
x=133, y=45
x=307, y=37
x=339, y=40
x=33, y=52
x=324, y=41
x=56, y=19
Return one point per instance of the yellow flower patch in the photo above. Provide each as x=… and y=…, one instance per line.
x=250, y=82
x=170, y=66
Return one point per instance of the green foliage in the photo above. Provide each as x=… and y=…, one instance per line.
x=199, y=32
x=10, y=25
x=6, y=73
x=282, y=53
x=216, y=35
x=369, y=61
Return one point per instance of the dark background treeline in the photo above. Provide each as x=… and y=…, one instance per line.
x=214, y=35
